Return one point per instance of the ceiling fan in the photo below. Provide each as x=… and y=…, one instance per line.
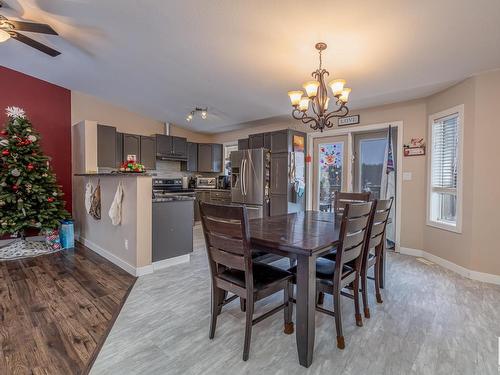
x=10, y=29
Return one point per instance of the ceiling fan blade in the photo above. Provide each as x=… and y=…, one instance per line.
x=32, y=27
x=33, y=43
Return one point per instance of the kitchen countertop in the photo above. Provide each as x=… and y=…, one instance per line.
x=208, y=189
x=174, y=199
x=108, y=174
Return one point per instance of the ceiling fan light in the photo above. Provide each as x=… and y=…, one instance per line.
x=204, y=114
x=295, y=97
x=311, y=88
x=304, y=103
x=344, y=97
x=4, y=36
x=337, y=85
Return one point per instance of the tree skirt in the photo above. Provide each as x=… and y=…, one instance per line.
x=25, y=249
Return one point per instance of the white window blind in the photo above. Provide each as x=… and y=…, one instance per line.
x=445, y=170
x=445, y=152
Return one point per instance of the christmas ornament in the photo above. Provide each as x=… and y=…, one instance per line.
x=28, y=130
x=50, y=199
x=5, y=152
x=15, y=112
x=4, y=142
x=31, y=138
x=3, y=133
x=15, y=187
x=30, y=167
x=2, y=203
x=3, y=184
x=15, y=172
x=54, y=193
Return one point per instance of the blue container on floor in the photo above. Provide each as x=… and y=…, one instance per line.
x=67, y=234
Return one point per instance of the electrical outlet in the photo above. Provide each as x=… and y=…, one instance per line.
x=126, y=244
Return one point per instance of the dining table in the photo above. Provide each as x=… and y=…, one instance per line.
x=303, y=236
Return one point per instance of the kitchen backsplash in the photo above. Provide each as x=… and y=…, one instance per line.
x=172, y=169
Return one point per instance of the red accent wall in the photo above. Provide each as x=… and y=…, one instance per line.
x=49, y=109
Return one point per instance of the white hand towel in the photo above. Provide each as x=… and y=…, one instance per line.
x=88, y=196
x=115, y=212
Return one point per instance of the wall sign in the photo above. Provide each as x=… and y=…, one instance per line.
x=349, y=120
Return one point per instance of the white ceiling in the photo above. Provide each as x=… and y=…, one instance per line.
x=240, y=57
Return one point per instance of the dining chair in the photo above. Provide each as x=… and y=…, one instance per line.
x=340, y=199
x=332, y=276
x=232, y=269
x=374, y=248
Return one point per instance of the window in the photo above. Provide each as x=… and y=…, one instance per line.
x=445, y=170
x=228, y=148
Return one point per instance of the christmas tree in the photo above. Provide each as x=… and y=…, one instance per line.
x=29, y=194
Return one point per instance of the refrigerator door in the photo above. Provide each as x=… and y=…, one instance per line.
x=237, y=164
x=254, y=177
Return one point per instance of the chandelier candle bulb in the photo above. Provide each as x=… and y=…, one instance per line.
x=344, y=97
x=337, y=86
x=311, y=88
x=304, y=103
x=295, y=97
x=326, y=103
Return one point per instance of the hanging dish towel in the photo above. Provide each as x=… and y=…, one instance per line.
x=115, y=212
x=88, y=197
x=95, y=206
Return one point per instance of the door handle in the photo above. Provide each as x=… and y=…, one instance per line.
x=243, y=176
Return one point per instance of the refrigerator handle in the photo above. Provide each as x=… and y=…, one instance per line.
x=243, y=177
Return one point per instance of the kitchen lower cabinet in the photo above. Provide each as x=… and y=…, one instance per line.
x=172, y=229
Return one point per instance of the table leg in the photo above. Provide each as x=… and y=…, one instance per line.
x=306, y=307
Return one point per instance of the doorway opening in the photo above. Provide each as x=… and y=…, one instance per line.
x=358, y=159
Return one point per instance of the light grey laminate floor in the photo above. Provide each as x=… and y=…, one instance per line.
x=432, y=321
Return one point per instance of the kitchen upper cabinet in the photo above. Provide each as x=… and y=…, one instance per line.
x=267, y=141
x=171, y=148
x=106, y=145
x=209, y=157
x=192, y=157
x=119, y=150
x=280, y=141
x=179, y=147
x=217, y=158
x=256, y=141
x=243, y=144
x=131, y=145
x=148, y=152
x=204, y=157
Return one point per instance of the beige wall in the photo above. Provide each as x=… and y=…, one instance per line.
x=456, y=247
x=485, y=252
x=135, y=229
x=87, y=107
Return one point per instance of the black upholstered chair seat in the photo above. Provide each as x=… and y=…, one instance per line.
x=263, y=275
x=325, y=269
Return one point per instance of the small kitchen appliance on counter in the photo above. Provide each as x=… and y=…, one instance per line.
x=206, y=183
x=223, y=182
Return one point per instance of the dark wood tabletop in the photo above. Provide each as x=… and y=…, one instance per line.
x=301, y=233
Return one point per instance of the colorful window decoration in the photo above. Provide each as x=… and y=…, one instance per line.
x=330, y=172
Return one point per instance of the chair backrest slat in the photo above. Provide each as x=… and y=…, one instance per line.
x=227, y=259
x=341, y=199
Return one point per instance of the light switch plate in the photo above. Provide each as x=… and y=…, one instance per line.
x=407, y=176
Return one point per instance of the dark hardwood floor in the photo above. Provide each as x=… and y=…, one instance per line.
x=56, y=311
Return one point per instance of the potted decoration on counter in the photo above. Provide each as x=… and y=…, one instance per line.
x=131, y=165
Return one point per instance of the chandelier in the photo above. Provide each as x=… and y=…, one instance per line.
x=202, y=111
x=317, y=96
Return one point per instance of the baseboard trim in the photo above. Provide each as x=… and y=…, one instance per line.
x=473, y=275
x=135, y=271
x=171, y=262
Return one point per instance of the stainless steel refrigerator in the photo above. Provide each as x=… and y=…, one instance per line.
x=250, y=180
